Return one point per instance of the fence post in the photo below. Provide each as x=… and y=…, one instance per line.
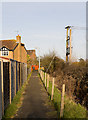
x=10, y=82
x=47, y=81
x=62, y=101
x=39, y=70
x=2, y=89
x=20, y=75
x=23, y=74
x=26, y=71
x=41, y=75
x=52, y=89
x=15, y=76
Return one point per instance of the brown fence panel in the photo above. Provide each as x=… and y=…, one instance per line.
x=14, y=75
x=22, y=72
x=0, y=94
x=28, y=71
x=25, y=72
x=6, y=83
x=16, y=79
x=25, y=67
x=12, y=80
x=18, y=75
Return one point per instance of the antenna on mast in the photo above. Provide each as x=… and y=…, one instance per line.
x=17, y=32
x=68, y=44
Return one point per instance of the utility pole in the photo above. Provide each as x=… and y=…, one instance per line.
x=39, y=60
x=68, y=44
x=39, y=55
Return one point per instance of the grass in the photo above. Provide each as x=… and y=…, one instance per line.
x=16, y=103
x=71, y=109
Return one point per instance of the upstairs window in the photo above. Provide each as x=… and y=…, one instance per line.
x=4, y=51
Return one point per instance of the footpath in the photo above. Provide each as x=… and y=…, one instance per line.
x=36, y=102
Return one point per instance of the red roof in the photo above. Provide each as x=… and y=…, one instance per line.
x=10, y=44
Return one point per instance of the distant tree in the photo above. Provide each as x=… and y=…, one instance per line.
x=82, y=62
x=51, y=62
x=31, y=61
x=81, y=59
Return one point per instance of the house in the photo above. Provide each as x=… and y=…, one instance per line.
x=13, y=49
x=32, y=54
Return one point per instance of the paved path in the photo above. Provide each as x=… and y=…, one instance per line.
x=36, y=103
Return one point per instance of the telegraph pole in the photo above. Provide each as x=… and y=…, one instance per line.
x=68, y=44
x=39, y=61
x=39, y=55
x=70, y=47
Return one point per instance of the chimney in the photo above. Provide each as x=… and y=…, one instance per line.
x=18, y=38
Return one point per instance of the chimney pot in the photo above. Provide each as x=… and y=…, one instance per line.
x=18, y=38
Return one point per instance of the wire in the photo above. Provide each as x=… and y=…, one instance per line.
x=50, y=63
x=79, y=28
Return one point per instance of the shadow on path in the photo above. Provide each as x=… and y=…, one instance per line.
x=36, y=103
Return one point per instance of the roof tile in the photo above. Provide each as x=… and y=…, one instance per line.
x=10, y=44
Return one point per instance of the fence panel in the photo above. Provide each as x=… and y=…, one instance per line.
x=0, y=94
x=25, y=67
x=19, y=74
x=22, y=72
x=12, y=80
x=16, y=79
x=14, y=75
x=6, y=84
x=28, y=71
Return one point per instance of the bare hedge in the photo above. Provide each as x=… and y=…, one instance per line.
x=74, y=75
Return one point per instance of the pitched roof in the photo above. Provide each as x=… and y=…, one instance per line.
x=10, y=44
x=30, y=52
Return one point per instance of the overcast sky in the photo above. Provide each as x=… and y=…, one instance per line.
x=42, y=25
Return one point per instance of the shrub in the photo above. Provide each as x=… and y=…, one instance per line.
x=74, y=75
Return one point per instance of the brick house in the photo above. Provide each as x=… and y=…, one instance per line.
x=32, y=54
x=13, y=49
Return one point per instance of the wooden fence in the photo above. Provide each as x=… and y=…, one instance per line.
x=12, y=76
x=46, y=78
x=0, y=94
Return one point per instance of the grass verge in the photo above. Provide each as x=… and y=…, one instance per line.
x=71, y=109
x=16, y=103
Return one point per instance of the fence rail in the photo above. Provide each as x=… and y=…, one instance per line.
x=47, y=79
x=12, y=76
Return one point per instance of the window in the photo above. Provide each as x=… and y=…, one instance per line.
x=4, y=51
